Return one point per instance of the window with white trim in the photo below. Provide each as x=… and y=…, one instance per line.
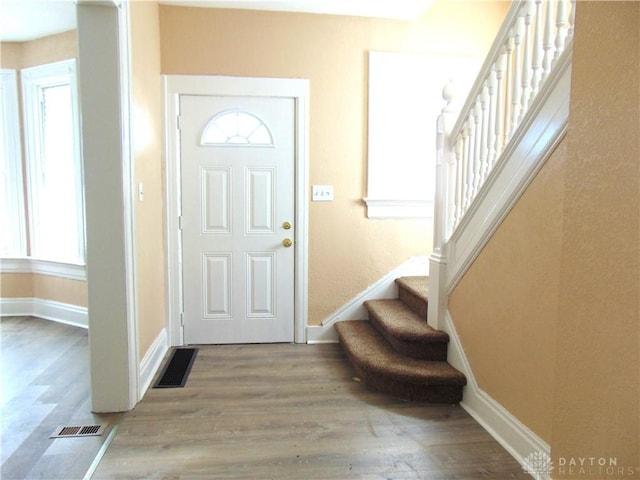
x=54, y=168
x=405, y=99
x=12, y=215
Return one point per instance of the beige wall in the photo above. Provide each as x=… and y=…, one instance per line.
x=50, y=49
x=549, y=312
x=505, y=307
x=347, y=252
x=597, y=401
x=11, y=55
x=46, y=287
x=16, y=285
x=22, y=55
x=41, y=51
x=147, y=147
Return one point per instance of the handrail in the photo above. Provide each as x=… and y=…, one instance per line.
x=529, y=43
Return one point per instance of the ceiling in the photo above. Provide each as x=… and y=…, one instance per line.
x=24, y=20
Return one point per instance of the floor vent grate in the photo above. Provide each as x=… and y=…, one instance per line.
x=177, y=370
x=78, y=431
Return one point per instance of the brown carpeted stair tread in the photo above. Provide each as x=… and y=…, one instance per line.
x=402, y=323
x=397, y=352
x=418, y=285
x=366, y=347
x=414, y=292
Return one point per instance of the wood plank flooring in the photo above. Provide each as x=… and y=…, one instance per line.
x=295, y=412
x=45, y=384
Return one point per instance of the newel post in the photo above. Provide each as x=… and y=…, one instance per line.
x=442, y=214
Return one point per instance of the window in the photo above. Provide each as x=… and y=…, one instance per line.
x=54, y=169
x=405, y=99
x=12, y=224
x=235, y=127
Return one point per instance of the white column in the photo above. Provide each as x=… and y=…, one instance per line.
x=108, y=173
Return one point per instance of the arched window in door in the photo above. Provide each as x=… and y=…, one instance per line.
x=236, y=128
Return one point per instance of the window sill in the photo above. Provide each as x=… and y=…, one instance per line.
x=399, y=209
x=43, y=267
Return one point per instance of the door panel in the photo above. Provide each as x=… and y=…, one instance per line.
x=216, y=202
x=217, y=286
x=237, y=184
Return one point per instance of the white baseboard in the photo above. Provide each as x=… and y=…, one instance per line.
x=321, y=334
x=502, y=425
x=152, y=360
x=46, y=309
x=354, y=308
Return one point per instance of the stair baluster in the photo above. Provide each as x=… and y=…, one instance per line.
x=533, y=37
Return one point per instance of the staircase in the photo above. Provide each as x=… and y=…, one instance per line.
x=396, y=352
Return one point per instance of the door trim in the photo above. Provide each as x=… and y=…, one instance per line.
x=176, y=85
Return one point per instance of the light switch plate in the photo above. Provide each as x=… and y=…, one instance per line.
x=322, y=193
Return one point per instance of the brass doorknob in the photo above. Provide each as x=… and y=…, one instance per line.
x=286, y=225
x=287, y=242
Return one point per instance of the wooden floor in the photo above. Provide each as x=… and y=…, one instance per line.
x=45, y=384
x=295, y=412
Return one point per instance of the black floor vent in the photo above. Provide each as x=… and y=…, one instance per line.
x=78, y=431
x=177, y=370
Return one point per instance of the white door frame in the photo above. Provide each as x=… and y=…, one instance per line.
x=176, y=85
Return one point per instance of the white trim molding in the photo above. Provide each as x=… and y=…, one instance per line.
x=501, y=424
x=47, y=309
x=354, y=309
x=398, y=209
x=152, y=361
x=298, y=89
x=535, y=140
x=43, y=267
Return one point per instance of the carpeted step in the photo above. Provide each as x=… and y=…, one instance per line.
x=386, y=370
x=414, y=292
x=409, y=334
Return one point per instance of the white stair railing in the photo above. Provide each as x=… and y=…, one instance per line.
x=532, y=39
x=532, y=48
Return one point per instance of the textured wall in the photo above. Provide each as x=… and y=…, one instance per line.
x=331, y=52
x=147, y=147
x=597, y=406
x=505, y=307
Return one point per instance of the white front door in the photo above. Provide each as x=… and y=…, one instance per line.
x=237, y=197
